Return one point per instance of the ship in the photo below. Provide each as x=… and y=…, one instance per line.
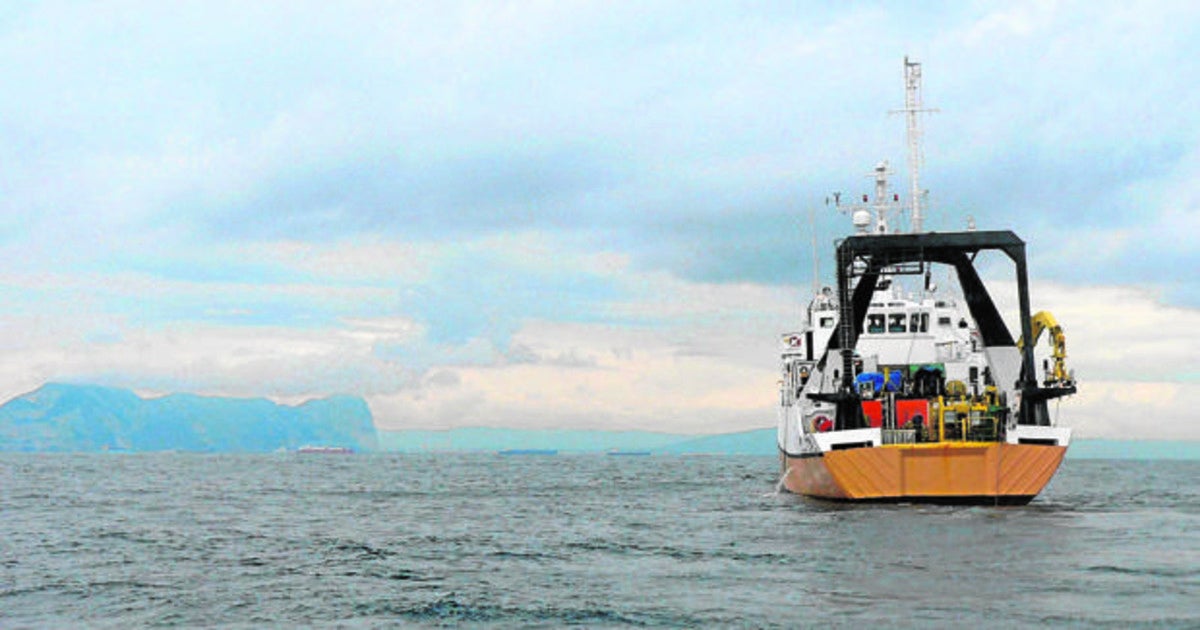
x=896, y=389
x=322, y=449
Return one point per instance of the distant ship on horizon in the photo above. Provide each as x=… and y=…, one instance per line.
x=620, y=453
x=528, y=451
x=325, y=450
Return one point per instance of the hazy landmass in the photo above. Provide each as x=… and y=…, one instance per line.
x=85, y=418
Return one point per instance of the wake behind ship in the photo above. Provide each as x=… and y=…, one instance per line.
x=896, y=390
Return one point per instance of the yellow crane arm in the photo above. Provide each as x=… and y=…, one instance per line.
x=1044, y=321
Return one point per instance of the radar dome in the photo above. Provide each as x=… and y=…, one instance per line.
x=861, y=219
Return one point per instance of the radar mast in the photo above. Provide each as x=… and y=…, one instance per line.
x=913, y=107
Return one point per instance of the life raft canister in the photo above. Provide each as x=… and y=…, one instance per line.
x=821, y=424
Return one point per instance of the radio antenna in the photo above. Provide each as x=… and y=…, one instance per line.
x=912, y=109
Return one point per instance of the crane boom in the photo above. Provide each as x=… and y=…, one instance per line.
x=1043, y=321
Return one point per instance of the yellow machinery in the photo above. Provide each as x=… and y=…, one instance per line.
x=1044, y=321
x=969, y=419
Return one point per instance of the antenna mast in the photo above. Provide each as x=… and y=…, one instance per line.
x=816, y=270
x=912, y=107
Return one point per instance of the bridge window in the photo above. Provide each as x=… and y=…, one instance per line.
x=943, y=321
x=826, y=322
x=896, y=323
x=918, y=322
x=874, y=324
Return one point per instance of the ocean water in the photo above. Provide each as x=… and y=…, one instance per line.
x=587, y=541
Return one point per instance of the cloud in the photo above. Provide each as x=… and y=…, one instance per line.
x=1132, y=354
x=1131, y=411
x=351, y=316
x=420, y=196
x=1123, y=334
x=626, y=380
x=1014, y=21
x=674, y=356
x=646, y=350
x=708, y=363
x=297, y=199
x=694, y=141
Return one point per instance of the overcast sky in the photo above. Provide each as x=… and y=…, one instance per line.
x=571, y=214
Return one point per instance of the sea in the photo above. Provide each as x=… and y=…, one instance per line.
x=551, y=541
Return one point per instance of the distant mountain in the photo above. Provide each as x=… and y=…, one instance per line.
x=755, y=442
x=477, y=439
x=485, y=439
x=87, y=418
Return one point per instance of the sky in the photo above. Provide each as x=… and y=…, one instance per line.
x=572, y=214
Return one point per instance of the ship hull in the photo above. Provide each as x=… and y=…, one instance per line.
x=959, y=473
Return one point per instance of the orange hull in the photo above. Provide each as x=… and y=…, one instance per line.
x=944, y=473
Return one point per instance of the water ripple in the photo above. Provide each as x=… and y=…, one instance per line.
x=379, y=541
